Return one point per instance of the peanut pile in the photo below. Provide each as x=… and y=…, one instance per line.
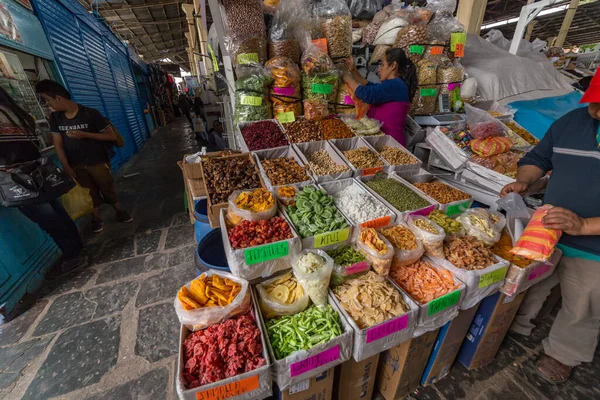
x=363, y=158
x=322, y=164
x=395, y=156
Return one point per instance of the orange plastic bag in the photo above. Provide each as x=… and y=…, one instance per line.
x=491, y=146
x=361, y=108
x=537, y=242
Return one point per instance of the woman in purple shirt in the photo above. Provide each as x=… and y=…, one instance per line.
x=390, y=99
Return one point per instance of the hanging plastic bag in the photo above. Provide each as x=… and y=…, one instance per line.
x=477, y=223
x=316, y=109
x=388, y=31
x=370, y=31
x=450, y=72
x=365, y=9
x=286, y=92
x=343, y=102
x=537, y=242
x=251, y=95
x=381, y=260
x=319, y=76
x=241, y=203
x=442, y=25
x=482, y=124
x=290, y=15
x=442, y=5
x=313, y=269
x=203, y=316
x=282, y=287
x=77, y=202
x=379, y=53
x=431, y=235
x=425, y=100
x=247, y=51
x=336, y=25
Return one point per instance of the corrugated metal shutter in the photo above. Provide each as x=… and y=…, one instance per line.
x=131, y=101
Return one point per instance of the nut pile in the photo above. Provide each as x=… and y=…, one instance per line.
x=283, y=171
x=254, y=233
x=370, y=300
x=322, y=164
x=450, y=225
x=244, y=18
x=303, y=130
x=441, y=192
x=468, y=253
x=363, y=158
x=400, y=237
x=427, y=72
x=397, y=194
x=426, y=226
x=263, y=135
x=333, y=128
x=224, y=176
x=411, y=34
x=395, y=156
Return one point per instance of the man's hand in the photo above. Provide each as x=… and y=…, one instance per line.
x=69, y=171
x=77, y=134
x=564, y=220
x=516, y=187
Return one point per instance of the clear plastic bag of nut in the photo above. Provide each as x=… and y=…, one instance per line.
x=246, y=51
x=450, y=72
x=427, y=74
x=290, y=15
x=411, y=35
x=425, y=100
x=336, y=25
x=431, y=235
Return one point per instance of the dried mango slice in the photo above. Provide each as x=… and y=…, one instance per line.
x=185, y=298
x=198, y=290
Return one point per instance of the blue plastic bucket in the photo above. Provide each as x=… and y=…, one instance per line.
x=202, y=224
x=210, y=253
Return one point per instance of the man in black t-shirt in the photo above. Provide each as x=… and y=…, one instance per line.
x=81, y=135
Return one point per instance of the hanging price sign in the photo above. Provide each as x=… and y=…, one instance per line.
x=250, y=101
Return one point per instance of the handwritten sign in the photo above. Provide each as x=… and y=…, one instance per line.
x=321, y=44
x=325, y=239
x=414, y=49
x=443, y=303
x=387, y=329
x=247, y=58
x=371, y=171
x=436, y=50
x=250, y=101
x=325, y=357
x=539, y=271
x=492, y=277
x=457, y=38
x=377, y=223
x=229, y=390
x=356, y=268
x=348, y=100
x=322, y=88
x=285, y=91
x=272, y=251
x=457, y=208
x=286, y=117
x=423, y=212
x=428, y=92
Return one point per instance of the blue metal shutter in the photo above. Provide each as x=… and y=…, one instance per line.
x=137, y=103
x=131, y=101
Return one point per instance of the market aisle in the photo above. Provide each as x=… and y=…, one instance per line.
x=110, y=331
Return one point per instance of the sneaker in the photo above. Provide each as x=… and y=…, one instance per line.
x=123, y=216
x=97, y=225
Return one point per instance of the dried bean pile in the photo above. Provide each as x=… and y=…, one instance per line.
x=283, y=171
x=441, y=192
x=322, y=164
x=395, y=156
x=224, y=176
x=363, y=158
x=244, y=18
x=303, y=130
x=397, y=194
x=263, y=135
x=335, y=129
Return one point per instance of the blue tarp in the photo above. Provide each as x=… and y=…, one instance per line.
x=537, y=115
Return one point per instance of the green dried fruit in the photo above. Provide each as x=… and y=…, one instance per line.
x=315, y=213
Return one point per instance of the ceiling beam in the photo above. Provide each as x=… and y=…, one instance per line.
x=148, y=3
x=167, y=21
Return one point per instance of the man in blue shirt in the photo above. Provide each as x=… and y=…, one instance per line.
x=571, y=150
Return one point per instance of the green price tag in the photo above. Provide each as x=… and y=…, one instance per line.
x=457, y=208
x=457, y=38
x=492, y=277
x=428, y=92
x=250, y=101
x=325, y=239
x=416, y=49
x=286, y=117
x=247, y=58
x=444, y=302
x=322, y=88
x=255, y=255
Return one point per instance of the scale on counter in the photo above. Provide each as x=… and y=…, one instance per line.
x=440, y=119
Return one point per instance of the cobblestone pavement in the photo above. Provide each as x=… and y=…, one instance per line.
x=109, y=331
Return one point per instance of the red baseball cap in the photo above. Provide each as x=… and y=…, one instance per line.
x=592, y=95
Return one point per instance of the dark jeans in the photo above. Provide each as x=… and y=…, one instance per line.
x=53, y=219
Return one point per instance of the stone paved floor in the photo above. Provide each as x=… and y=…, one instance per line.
x=109, y=331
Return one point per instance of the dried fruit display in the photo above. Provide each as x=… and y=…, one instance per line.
x=284, y=170
x=333, y=128
x=285, y=289
x=263, y=135
x=468, y=253
x=423, y=282
x=303, y=130
x=254, y=233
x=363, y=157
x=257, y=200
x=315, y=213
x=400, y=237
x=370, y=238
x=370, y=300
x=208, y=291
x=450, y=225
x=222, y=176
x=441, y=192
x=359, y=205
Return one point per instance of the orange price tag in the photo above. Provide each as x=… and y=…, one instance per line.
x=228, y=390
x=321, y=44
x=377, y=223
x=436, y=50
x=371, y=171
x=460, y=50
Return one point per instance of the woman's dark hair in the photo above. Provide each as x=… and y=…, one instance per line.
x=26, y=120
x=407, y=70
x=52, y=88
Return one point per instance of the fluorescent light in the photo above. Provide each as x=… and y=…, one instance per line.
x=167, y=60
x=513, y=20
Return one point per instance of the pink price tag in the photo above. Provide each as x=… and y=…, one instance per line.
x=424, y=211
x=315, y=361
x=285, y=91
x=452, y=86
x=348, y=100
x=387, y=329
x=356, y=268
x=539, y=271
